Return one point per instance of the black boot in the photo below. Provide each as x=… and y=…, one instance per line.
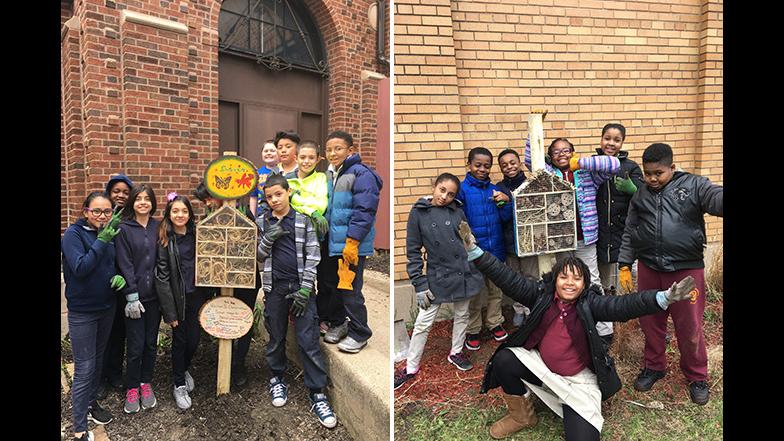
x=698, y=392
x=646, y=379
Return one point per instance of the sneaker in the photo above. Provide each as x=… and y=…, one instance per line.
x=182, y=398
x=323, y=328
x=699, y=393
x=86, y=436
x=401, y=376
x=279, y=391
x=499, y=333
x=351, y=346
x=148, y=396
x=131, y=401
x=239, y=375
x=98, y=414
x=647, y=377
x=460, y=361
x=320, y=405
x=472, y=342
x=189, y=381
x=336, y=333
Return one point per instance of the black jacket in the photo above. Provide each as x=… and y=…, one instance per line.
x=169, y=281
x=666, y=229
x=591, y=307
x=612, y=206
x=450, y=276
x=507, y=186
x=136, y=248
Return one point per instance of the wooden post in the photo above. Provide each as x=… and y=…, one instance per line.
x=224, y=356
x=536, y=139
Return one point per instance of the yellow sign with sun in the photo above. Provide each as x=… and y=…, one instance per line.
x=230, y=177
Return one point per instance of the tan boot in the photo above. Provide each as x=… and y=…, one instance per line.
x=520, y=414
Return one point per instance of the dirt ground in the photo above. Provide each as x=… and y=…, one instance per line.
x=244, y=414
x=378, y=262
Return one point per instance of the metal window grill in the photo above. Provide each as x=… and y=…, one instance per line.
x=544, y=213
x=276, y=33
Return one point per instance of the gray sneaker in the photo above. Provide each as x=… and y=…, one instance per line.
x=348, y=344
x=182, y=398
x=336, y=333
x=189, y=381
x=148, y=396
x=131, y=401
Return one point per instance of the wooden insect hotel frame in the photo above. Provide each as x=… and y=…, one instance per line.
x=544, y=215
x=226, y=250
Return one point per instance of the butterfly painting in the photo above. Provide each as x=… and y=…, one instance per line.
x=223, y=183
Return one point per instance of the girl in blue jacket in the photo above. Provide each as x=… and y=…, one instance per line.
x=90, y=282
x=486, y=209
x=136, y=252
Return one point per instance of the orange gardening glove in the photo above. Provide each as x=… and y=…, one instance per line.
x=351, y=251
x=345, y=276
x=574, y=163
x=625, y=277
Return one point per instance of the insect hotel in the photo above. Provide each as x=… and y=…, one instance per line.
x=225, y=250
x=544, y=214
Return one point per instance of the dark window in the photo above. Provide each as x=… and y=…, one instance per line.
x=278, y=33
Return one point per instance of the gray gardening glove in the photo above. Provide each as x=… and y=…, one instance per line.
x=273, y=232
x=469, y=241
x=424, y=298
x=134, y=308
x=678, y=291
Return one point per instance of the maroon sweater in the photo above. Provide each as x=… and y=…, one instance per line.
x=561, y=339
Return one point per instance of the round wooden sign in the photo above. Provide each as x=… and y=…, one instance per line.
x=230, y=177
x=226, y=317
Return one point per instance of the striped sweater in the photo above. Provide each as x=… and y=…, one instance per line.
x=593, y=171
x=308, y=252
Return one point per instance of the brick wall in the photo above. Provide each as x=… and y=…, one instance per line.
x=143, y=100
x=467, y=73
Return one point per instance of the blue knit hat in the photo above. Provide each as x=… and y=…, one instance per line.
x=119, y=177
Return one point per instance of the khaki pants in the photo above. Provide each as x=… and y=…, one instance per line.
x=424, y=322
x=491, y=295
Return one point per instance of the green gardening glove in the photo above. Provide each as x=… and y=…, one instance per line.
x=320, y=223
x=110, y=230
x=117, y=282
x=299, y=301
x=625, y=185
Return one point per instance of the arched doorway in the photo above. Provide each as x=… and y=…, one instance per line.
x=272, y=74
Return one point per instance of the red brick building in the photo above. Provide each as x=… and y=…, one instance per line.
x=157, y=89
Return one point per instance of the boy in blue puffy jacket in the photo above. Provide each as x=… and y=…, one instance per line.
x=353, y=191
x=486, y=209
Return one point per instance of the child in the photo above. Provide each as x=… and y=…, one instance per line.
x=450, y=278
x=309, y=189
x=269, y=156
x=286, y=143
x=90, y=282
x=556, y=354
x=136, y=252
x=486, y=209
x=289, y=253
x=353, y=200
x=612, y=203
x=175, y=279
x=240, y=346
x=118, y=188
x=665, y=231
x=512, y=169
x=586, y=174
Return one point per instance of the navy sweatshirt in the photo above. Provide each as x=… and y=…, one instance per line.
x=88, y=267
x=136, y=252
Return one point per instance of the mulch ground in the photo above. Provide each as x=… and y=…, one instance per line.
x=440, y=386
x=244, y=414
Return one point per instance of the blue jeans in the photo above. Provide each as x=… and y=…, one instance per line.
x=306, y=328
x=89, y=333
x=142, y=344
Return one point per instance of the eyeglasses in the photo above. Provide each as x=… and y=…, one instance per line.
x=558, y=152
x=97, y=212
